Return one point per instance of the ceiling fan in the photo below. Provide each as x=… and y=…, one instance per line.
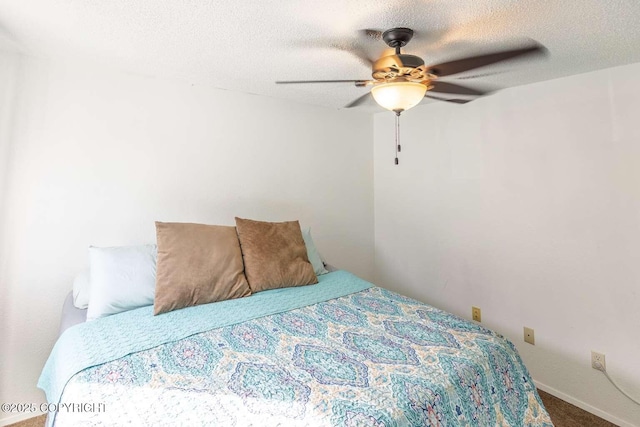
x=401, y=81
x=408, y=73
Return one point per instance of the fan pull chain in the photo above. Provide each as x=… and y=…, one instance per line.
x=398, y=147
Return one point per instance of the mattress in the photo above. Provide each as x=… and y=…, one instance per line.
x=71, y=315
x=339, y=353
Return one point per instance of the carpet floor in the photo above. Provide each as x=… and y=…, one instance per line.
x=563, y=414
x=31, y=422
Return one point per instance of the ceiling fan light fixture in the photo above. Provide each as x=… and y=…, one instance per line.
x=399, y=96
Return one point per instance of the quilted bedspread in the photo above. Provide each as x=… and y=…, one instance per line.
x=367, y=358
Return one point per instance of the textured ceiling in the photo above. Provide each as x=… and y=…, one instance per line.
x=247, y=45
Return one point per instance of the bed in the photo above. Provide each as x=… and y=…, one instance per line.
x=339, y=353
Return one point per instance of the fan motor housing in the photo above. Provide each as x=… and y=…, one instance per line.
x=398, y=61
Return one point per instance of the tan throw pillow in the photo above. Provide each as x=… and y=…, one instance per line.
x=197, y=264
x=274, y=254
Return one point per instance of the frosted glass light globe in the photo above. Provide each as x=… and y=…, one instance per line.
x=399, y=96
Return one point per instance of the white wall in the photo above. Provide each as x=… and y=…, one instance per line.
x=9, y=66
x=9, y=69
x=526, y=204
x=97, y=156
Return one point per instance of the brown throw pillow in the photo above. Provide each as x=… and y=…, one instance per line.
x=197, y=264
x=274, y=254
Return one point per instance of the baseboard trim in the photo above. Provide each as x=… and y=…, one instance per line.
x=19, y=417
x=582, y=405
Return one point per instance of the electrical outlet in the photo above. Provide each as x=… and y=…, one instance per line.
x=597, y=361
x=476, y=314
x=529, y=336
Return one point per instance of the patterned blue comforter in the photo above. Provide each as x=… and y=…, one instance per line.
x=369, y=358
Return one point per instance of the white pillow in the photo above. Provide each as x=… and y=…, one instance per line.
x=81, y=290
x=122, y=278
x=312, y=253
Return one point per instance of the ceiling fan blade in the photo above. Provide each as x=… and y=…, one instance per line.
x=473, y=62
x=359, y=53
x=358, y=101
x=446, y=87
x=371, y=34
x=350, y=46
x=456, y=101
x=480, y=75
x=290, y=82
